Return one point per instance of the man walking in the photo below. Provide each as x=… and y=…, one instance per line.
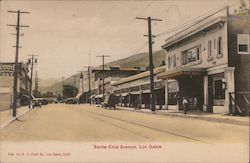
x=185, y=105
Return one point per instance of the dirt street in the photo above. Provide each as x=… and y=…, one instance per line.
x=89, y=123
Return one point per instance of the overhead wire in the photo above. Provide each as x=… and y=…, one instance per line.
x=194, y=20
x=131, y=21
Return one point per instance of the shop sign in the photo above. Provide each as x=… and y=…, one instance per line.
x=7, y=68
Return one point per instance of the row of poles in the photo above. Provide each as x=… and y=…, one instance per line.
x=33, y=60
x=151, y=65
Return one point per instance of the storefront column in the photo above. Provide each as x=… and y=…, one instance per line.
x=205, y=87
x=179, y=101
x=140, y=97
x=166, y=94
x=129, y=100
x=229, y=81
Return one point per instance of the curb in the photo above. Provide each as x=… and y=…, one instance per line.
x=216, y=120
x=13, y=119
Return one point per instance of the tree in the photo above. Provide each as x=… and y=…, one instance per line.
x=243, y=9
x=69, y=91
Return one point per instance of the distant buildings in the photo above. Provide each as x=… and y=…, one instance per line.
x=7, y=82
x=99, y=88
x=208, y=62
x=134, y=91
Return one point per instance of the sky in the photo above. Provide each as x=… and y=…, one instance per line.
x=68, y=35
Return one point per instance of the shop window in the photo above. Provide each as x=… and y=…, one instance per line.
x=172, y=93
x=209, y=50
x=172, y=98
x=243, y=43
x=190, y=55
x=219, y=91
x=219, y=50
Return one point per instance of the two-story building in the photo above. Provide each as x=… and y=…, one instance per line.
x=208, y=62
x=134, y=91
x=7, y=84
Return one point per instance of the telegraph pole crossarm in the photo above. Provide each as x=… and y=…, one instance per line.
x=151, y=65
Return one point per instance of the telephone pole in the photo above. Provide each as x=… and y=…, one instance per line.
x=62, y=87
x=89, y=68
x=36, y=92
x=81, y=77
x=31, y=61
x=103, y=57
x=17, y=26
x=151, y=65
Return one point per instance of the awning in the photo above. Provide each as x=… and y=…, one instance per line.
x=78, y=95
x=182, y=72
x=99, y=96
x=92, y=96
x=25, y=96
x=135, y=92
x=124, y=94
x=146, y=91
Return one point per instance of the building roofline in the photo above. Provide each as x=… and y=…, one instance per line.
x=191, y=30
x=139, y=76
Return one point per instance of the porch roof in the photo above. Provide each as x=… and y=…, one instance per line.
x=182, y=72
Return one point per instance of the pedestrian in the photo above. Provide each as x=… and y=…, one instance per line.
x=185, y=104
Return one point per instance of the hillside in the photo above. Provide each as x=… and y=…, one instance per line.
x=137, y=60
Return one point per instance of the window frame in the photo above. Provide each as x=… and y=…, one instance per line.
x=238, y=44
x=174, y=60
x=185, y=60
x=209, y=50
x=219, y=47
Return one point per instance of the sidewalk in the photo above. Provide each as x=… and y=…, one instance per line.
x=6, y=115
x=237, y=120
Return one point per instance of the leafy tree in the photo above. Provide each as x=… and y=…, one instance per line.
x=69, y=91
x=243, y=9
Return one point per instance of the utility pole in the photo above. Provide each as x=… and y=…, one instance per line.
x=81, y=77
x=36, y=92
x=62, y=87
x=31, y=61
x=89, y=68
x=151, y=65
x=75, y=81
x=75, y=89
x=17, y=26
x=103, y=57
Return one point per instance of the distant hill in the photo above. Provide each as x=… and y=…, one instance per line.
x=140, y=60
x=137, y=60
x=47, y=82
x=57, y=86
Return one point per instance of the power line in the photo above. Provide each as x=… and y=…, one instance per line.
x=195, y=20
x=130, y=22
